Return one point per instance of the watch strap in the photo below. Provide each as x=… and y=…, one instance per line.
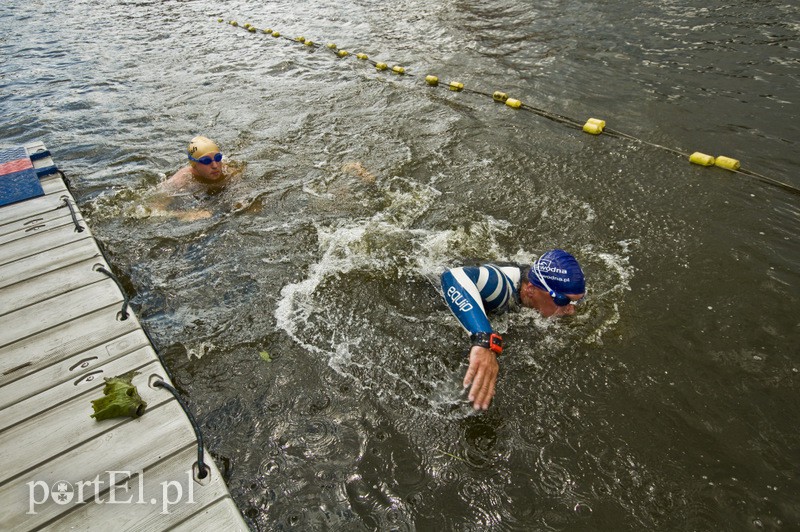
x=492, y=341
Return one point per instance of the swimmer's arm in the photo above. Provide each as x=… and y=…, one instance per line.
x=160, y=208
x=481, y=377
x=159, y=205
x=190, y=216
x=178, y=181
x=464, y=300
x=463, y=297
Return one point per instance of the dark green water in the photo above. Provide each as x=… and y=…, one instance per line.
x=669, y=402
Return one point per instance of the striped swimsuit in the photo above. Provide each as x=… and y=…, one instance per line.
x=472, y=291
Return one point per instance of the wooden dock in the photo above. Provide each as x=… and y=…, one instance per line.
x=61, y=333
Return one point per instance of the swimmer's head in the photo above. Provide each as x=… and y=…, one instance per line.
x=200, y=146
x=558, y=273
x=205, y=160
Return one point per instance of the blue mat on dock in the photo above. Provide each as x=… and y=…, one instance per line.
x=19, y=181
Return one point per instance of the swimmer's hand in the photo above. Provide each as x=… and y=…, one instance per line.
x=481, y=376
x=357, y=169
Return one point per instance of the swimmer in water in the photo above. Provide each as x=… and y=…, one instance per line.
x=552, y=285
x=205, y=173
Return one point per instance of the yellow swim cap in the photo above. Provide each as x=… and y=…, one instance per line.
x=200, y=146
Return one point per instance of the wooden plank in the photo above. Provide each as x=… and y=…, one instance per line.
x=16, y=214
x=160, y=484
x=35, y=147
x=222, y=515
x=53, y=184
x=34, y=265
x=54, y=189
x=40, y=162
x=43, y=242
x=41, y=350
x=59, y=337
x=50, y=285
x=34, y=225
x=71, y=368
x=122, y=450
x=33, y=442
x=61, y=309
x=55, y=394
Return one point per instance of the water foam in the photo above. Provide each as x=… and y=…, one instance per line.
x=388, y=245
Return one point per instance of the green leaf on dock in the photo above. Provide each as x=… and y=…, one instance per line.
x=120, y=399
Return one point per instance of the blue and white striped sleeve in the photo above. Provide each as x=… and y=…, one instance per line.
x=472, y=291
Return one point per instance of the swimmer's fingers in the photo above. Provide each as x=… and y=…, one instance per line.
x=481, y=377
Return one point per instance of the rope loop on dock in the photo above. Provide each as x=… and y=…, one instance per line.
x=125, y=300
x=78, y=227
x=202, y=468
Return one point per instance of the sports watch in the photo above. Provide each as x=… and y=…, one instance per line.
x=492, y=341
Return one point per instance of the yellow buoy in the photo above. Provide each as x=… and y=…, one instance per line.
x=300, y=39
x=432, y=80
x=594, y=126
x=397, y=69
x=726, y=163
x=514, y=103
x=234, y=23
x=593, y=129
x=309, y=42
x=276, y=34
x=701, y=158
x=342, y=53
x=266, y=30
x=381, y=66
x=456, y=86
x=362, y=56
x=500, y=96
x=252, y=29
x=331, y=45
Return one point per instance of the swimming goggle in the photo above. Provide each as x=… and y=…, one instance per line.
x=207, y=159
x=559, y=299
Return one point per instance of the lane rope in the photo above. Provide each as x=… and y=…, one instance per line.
x=592, y=126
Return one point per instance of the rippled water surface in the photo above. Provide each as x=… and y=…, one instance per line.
x=669, y=402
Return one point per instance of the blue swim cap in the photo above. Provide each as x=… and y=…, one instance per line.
x=560, y=270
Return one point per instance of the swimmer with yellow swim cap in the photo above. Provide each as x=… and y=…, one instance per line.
x=206, y=173
x=205, y=168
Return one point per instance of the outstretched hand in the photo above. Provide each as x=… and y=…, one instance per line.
x=481, y=376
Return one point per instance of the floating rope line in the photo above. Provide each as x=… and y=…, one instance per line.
x=592, y=126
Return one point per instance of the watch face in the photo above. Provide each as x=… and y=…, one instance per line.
x=496, y=342
x=491, y=341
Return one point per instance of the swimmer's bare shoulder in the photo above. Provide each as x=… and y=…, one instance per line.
x=180, y=180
